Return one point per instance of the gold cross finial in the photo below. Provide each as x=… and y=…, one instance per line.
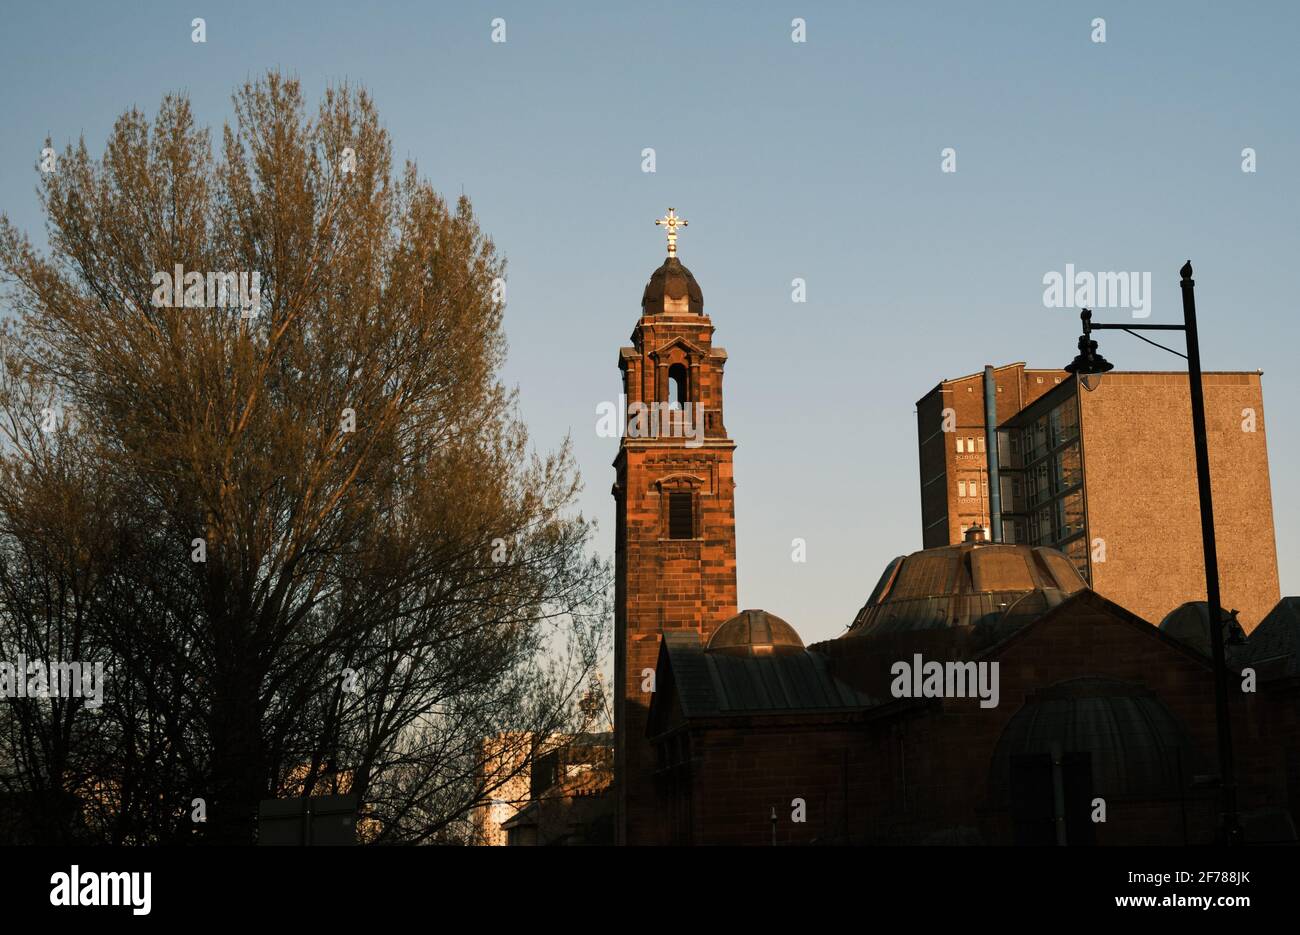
x=672, y=222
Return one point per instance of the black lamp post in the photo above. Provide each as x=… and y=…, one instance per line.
x=1089, y=363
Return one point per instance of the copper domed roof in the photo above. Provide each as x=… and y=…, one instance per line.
x=755, y=633
x=672, y=289
x=967, y=585
x=1189, y=623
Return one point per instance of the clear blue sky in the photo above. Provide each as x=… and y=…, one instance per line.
x=818, y=160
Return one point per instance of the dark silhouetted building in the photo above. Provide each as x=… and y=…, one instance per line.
x=984, y=693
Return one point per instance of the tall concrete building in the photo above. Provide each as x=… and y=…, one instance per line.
x=950, y=429
x=1104, y=470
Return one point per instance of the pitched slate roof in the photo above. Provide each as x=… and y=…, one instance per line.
x=1274, y=645
x=712, y=684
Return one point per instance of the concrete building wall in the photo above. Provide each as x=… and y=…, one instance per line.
x=502, y=767
x=1141, y=492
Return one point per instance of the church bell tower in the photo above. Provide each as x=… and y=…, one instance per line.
x=675, y=555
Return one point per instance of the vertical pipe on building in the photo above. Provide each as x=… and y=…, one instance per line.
x=844, y=816
x=994, y=484
x=1058, y=793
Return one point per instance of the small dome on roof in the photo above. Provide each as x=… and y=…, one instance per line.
x=672, y=289
x=755, y=633
x=1189, y=623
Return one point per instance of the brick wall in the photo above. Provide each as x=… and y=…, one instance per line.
x=943, y=511
x=924, y=775
x=664, y=583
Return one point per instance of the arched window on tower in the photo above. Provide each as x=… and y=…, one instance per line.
x=677, y=392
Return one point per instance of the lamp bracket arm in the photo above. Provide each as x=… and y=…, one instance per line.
x=1107, y=327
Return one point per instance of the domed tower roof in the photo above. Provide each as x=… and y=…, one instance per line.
x=967, y=585
x=1189, y=623
x=672, y=290
x=755, y=633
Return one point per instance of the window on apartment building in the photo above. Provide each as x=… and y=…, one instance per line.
x=970, y=444
x=960, y=449
x=961, y=488
x=681, y=516
x=544, y=773
x=980, y=441
x=1077, y=551
x=974, y=488
x=1073, y=514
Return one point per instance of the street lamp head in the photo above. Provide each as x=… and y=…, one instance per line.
x=1088, y=361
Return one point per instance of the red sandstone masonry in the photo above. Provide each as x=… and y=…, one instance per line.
x=663, y=583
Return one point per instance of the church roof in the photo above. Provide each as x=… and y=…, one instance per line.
x=671, y=283
x=755, y=633
x=1273, y=647
x=866, y=663
x=971, y=584
x=710, y=683
x=842, y=676
x=1189, y=623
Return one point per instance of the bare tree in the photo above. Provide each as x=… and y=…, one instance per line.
x=301, y=525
